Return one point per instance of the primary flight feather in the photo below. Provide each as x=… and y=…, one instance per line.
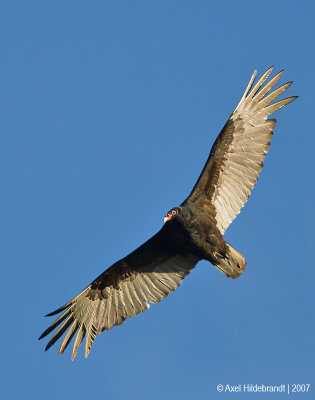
x=192, y=231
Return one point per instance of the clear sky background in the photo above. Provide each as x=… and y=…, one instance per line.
x=108, y=112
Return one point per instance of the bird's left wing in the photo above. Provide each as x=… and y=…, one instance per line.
x=148, y=274
x=236, y=158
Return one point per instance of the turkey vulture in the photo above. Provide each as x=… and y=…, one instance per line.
x=192, y=231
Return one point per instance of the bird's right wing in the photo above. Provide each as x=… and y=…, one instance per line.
x=236, y=158
x=148, y=274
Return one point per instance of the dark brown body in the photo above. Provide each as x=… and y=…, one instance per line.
x=190, y=233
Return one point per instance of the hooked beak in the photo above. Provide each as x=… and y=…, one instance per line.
x=167, y=218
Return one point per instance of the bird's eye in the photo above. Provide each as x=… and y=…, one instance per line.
x=174, y=212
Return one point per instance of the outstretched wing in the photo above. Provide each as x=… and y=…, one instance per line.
x=148, y=274
x=236, y=158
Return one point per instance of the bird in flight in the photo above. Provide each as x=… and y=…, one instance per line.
x=191, y=232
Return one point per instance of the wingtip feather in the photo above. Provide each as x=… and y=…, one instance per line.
x=78, y=340
x=58, y=310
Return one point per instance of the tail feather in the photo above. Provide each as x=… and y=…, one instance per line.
x=232, y=264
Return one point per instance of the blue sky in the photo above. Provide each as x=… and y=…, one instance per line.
x=109, y=111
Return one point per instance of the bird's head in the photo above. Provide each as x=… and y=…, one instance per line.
x=172, y=214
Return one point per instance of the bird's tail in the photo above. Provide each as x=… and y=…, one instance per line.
x=232, y=264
